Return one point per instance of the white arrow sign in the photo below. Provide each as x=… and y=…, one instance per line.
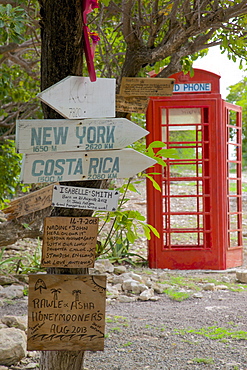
x=91, y=165
x=85, y=198
x=77, y=97
x=37, y=136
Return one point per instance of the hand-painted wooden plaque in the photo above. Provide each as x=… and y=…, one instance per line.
x=91, y=165
x=30, y=203
x=76, y=97
x=138, y=86
x=85, y=198
x=58, y=135
x=66, y=312
x=69, y=242
x=132, y=104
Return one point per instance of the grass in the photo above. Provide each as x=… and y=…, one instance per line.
x=176, y=296
x=215, y=333
x=208, y=361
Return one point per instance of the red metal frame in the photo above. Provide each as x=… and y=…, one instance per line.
x=208, y=235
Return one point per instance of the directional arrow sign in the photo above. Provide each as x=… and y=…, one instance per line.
x=74, y=166
x=71, y=135
x=77, y=97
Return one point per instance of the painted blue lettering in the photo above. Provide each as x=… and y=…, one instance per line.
x=58, y=161
x=36, y=136
x=78, y=168
x=105, y=163
x=176, y=87
x=93, y=164
x=91, y=135
x=115, y=167
x=80, y=133
x=46, y=135
x=49, y=167
x=60, y=134
x=110, y=134
x=70, y=160
x=36, y=163
x=101, y=134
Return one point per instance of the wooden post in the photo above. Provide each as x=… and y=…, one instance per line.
x=61, y=56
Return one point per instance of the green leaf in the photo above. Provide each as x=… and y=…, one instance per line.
x=155, y=184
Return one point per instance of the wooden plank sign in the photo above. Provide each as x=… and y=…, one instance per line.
x=30, y=203
x=85, y=198
x=69, y=242
x=91, y=165
x=131, y=104
x=138, y=86
x=77, y=97
x=66, y=312
x=59, y=135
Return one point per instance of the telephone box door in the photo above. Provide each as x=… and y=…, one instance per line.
x=191, y=212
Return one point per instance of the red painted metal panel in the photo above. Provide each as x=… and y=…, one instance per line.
x=201, y=236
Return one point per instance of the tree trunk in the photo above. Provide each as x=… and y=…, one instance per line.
x=61, y=56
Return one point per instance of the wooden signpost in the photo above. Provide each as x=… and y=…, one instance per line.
x=91, y=165
x=69, y=242
x=134, y=86
x=43, y=136
x=131, y=104
x=85, y=198
x=66, y=312
x=77, y=97
x=30, y=203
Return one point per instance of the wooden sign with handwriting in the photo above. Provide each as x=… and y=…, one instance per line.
x=30, y=203
x=66, y=312
x=133, y=104
x=139, y=86
x=69, y=242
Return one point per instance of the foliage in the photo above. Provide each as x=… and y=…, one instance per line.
x=238, y=95
x=22, y=262
x=120, y=229
x=217, y=333
x=9, y=172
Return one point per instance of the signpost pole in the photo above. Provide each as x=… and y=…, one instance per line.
x=61, y=56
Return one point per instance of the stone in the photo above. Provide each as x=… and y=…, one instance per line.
x=13, y=344
x=112, y=291
x=126, y=299
x=158, y=287
x=146, y=295
x=197, y=295
x=241, y=276
x=12, y=291
x=209, y=286
x=3, y=368
x=117, y=279
x=19, y=322
x=136, y=277
x=103, y=266
x=8, y=280
x=118, y=270
x=133, y=286
x=221, y=287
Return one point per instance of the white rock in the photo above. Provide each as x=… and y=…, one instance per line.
x=146, y=295
x=136, y=277
x=113, y=291
x=19, y=322
x=119, y=270
x=133, y=286
x=117, y=279
x=12, y=291
x=13, y=344
x=221, y=287
x=126, y=299
x=198, y=295
x=158, y=287
x=209, y=286
x=103, y=266
x=241, y=276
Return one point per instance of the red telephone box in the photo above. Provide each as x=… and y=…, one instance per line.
x=198, y=212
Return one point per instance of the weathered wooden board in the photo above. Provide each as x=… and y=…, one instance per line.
x=92, y=165
x=37, y=136
x=138, y=86
x=85, y=198
x=69, y=242
x=66, y=312
x=30, y=203
x=133, y=104
x=77, y=97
